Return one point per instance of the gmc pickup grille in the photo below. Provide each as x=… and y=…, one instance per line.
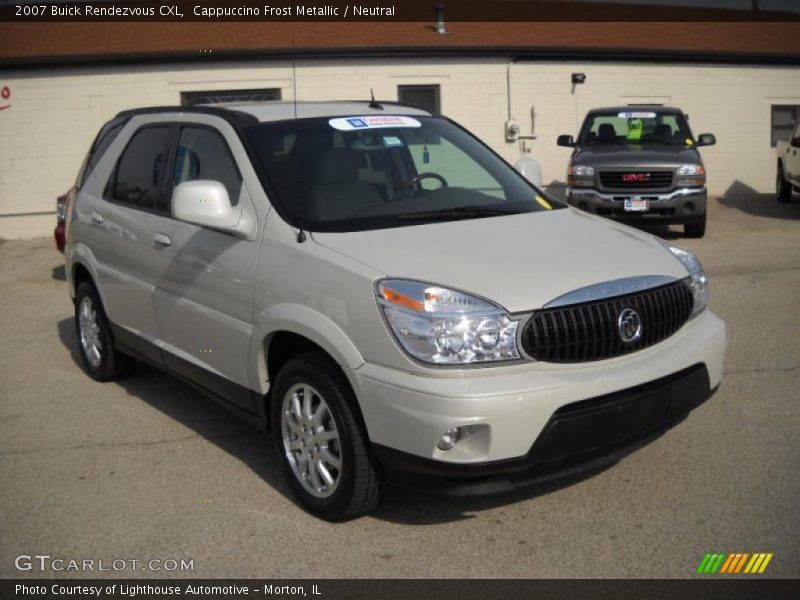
x=590, y=331
x=636, y=180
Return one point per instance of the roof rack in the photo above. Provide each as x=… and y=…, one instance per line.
x=234, y=117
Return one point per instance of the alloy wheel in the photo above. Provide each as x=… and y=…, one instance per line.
x=90, y=332
x=311, y=440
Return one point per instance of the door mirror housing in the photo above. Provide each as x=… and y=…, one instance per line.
x=566, y=140
x=706, y=139
x=530, y=169
x=206, y=203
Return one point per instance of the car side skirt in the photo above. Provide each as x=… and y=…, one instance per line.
x=237, y=399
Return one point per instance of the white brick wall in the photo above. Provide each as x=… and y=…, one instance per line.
x=55, y=114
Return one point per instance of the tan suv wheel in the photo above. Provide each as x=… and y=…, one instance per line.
x=320, y=440
x=100, y=359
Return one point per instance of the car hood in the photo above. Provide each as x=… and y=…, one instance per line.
x=635, y=155
x=520, y=262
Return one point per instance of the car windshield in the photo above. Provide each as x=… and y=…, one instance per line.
x=373, y=172
x=636, y=127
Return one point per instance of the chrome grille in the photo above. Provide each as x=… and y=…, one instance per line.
x=589, y=331
x=636, y=180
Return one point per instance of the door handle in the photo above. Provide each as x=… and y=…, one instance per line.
x=161, y=239
x=97, y=218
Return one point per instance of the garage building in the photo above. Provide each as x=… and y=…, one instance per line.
x=61, y=81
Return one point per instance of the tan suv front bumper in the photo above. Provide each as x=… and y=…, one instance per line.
x=512, y=409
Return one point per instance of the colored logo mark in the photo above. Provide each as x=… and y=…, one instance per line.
x=734, y=563
x=357, y=122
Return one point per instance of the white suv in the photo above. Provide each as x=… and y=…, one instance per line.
x=385, y=293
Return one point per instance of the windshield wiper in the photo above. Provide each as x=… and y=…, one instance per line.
x=455, y=213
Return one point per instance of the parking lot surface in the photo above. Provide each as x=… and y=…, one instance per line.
x=147, y=468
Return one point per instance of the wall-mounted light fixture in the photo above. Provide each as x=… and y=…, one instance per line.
x=578, y=78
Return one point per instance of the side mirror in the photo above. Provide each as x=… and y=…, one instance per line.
x=206, y=203
x=529, y=168
x=566, y=140
x=706, y=139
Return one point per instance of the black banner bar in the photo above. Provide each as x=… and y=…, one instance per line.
x=382, y=10
x=708, y=588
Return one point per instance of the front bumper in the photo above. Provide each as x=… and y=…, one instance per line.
x=679, y=206
x=518, y=411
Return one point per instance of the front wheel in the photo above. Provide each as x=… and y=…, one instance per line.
x=697, y=228
x=783, y=191
x=322, y=444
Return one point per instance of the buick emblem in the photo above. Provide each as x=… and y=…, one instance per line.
x=629, y=324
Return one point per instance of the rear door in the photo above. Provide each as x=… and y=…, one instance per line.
x=118, y=217
x=204, y=295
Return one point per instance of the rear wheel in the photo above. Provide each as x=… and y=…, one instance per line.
x=322, y=444
x=100, y=360
x=697, y=228
x=783, y=191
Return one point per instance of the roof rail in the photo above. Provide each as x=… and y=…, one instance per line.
x=234, y=117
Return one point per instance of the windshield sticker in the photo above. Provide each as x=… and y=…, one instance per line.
x=391, y=141
x=372, y=122
x=689, y=142
x=543, y=203
x=637, y=115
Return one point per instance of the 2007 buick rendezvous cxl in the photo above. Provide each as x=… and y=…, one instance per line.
x=385, y=293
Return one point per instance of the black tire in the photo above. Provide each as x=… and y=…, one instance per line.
x=783, y=191
x=697, y=228
x=359, y=487
x=112, y=364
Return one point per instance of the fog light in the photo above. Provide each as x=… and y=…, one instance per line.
x=688, y=208
x=449, y=439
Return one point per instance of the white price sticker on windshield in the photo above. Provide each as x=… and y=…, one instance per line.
x=637, y=115
x=372, y=122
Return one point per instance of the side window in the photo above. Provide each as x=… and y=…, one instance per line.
x=138, y=173
x=783, y=119
x=204, y=154
x=103, y=140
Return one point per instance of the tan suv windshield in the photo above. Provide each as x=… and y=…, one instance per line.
x=356, y=173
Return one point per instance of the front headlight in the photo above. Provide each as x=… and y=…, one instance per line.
x=698, y=281
x=691, y=175
x=581, y=171
x=580, y=176
x=446, y=327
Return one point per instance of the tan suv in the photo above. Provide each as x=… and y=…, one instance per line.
x=385, y=293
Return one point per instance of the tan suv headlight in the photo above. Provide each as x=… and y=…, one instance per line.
x=446, y=327
x=698, y=280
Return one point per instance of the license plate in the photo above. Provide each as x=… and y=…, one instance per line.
x=636, y=205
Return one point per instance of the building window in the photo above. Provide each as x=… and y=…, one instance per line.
x=783, y=119
x=425, y=97
x=217, y=96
